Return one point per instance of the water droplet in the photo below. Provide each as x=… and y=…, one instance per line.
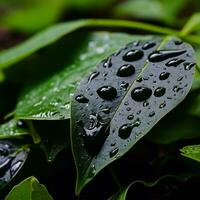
x=125, y=131
x=138, y=112
x=93, y=169
x=174, y=62
x=130, y=117
x=105, y=74
x=176, y=88
x=146, y=78
x=126, y=103
x=106, y=110
x=15, y=167
x=178, y=42
x=81, y=99
x=151, y=114
x=180, y=78
x=124, y=85
x=141, y=93
x=4, y=165
x=146, y=103
x=107, y=63
x=113, y=144
x=137, y=123
x=148, y=45
x=164, y=75
x=133, y=55
x=126, y=70
x=160, y=91
x=128, y=109
x=92, y=76
x=21, y=124
x=188, y=66
x=162, y=55
x=139, y=79
x=113, y=152
x=107, y=92
x=162, y=105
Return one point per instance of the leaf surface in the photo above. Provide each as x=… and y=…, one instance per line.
x=127, y=94
x=192, y=152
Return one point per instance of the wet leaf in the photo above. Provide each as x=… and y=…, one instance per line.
x=115, y=106
x=13, y=154
x=51, y=98
x=192, y=152
x=13, y=128
x=29, y=189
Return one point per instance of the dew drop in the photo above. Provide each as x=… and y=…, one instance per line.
x=162, y=55
x=148, y=45
x=106, y=110
x=176, y=88
x=146, y=103
x=128, y=109
x=107, y=92
x=21, y=124
x=126, y=70
x=141, y=93
x=15, y=167
x=107, y=63
x=178, y=42
x=113, y=152
x=92, y=76
x=130, y=117
x=162, y=105
x=151, y=114
x=174, y=62
x=81, y=99
x=125, y=131
x=188, y=66
x=133, y=55
x=124, y=85
x=139, y=79
x=164, y=75
x=160, y=91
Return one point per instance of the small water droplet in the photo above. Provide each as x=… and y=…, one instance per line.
x=124, y=85
x=174, y=62
x=107, y=63
x=141, y=93
x=92, y=76
x=106, y=110
x=151, y=114
x=113, y=144
x=146, y=78
x=164, y=75
x=188, y=65
x=128, y=109
x=178, y=42
x=81, y=99
x=148, y=45
x=21, y=124
x=146, y=103
x=126, y=103
x=113, y=152
x=180, y=78
x=138, y=112
x=160, y=91
x=139, y=79
x=133, y=55
x=107, y=92
x=162, y=55
x=126, y=70
x=176, y=88
x=130, y=117
x=162, y=105
x=15, y=167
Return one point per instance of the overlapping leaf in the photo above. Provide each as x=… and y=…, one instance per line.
x=127, y=94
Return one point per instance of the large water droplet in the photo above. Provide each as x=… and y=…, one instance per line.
x=162, y=55
x=113, y=152
x=174, y=62
x=141, y=93
x=148, y=45
x=81, y=99
x=164, y=75
x=125, y=131
x=160, y=91
x=107, y=92
x=188, y=65
x=92, y=76
x=126, y=70
x=133, y=55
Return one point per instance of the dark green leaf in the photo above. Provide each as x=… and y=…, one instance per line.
x=13, y=154
x=127, y=94
x=29, y=189
x=13, y=128
x=51, y=99
x=192, y=152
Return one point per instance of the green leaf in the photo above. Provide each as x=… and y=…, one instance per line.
x=127, y=94
x=33, y=15
x=29, y=189
x=51, y=98
x=13, y=128
x=13, y=156
x=192, y=152
x=55, y=32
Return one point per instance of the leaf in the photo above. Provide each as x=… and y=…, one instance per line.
x=13, y=154
x=55, y=32
x=127, y=94
x=13, y=128
x=51, y=98
x=29, y=189
x=192, y=152
x=31, y=16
